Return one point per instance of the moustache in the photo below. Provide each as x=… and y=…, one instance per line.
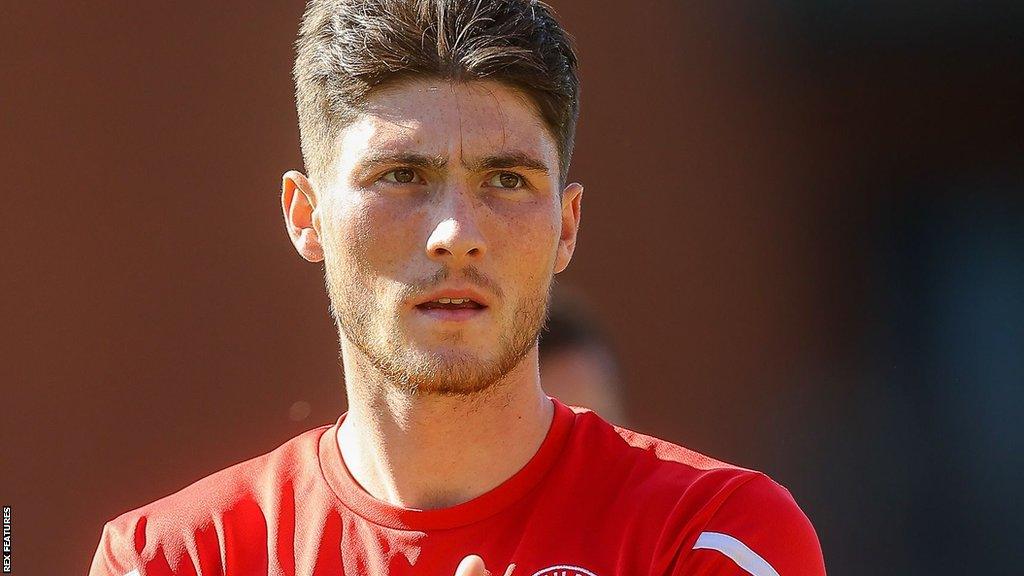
x=472, y=277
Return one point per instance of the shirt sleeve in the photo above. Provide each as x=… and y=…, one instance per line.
x=120, y=552
x=758, y=531
x=175, y=542
x=115, y=555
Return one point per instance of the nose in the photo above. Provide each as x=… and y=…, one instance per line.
x=456, y=239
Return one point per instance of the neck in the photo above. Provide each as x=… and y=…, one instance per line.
x=426, y=451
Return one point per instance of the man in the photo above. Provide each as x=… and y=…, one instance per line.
x=437, y=136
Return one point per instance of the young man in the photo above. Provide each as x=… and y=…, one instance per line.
x=437, y=136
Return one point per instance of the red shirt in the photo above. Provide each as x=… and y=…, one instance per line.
x=595, y=500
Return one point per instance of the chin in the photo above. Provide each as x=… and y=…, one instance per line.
x=452, y=371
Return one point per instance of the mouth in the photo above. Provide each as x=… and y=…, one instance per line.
x=452, y=308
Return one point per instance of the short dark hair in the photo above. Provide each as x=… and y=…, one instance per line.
x=348, y=48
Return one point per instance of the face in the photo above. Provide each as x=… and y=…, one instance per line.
x=440, y=228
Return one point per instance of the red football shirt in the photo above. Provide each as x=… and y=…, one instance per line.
x=596, y=500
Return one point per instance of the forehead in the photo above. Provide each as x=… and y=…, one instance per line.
x=450, y=118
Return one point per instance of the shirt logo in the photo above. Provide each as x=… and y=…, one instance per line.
x=564, y=570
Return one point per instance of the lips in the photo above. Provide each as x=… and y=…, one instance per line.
x=453, y=304
x=453, y=299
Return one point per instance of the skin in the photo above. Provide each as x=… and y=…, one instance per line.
x=440, y=411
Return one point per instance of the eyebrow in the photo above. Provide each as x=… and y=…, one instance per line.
x=511, y=159
x=405, y=158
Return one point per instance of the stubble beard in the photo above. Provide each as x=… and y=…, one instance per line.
x=365, y=325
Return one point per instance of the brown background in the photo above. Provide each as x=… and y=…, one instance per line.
x=158, y=326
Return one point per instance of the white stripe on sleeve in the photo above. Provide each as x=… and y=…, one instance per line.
x=737, y=551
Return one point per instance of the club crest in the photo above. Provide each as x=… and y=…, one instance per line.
x=564, y=570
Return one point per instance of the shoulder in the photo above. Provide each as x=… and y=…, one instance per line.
x=645, y=463
x=708, y=512
x=197, y=519
x=761, y=529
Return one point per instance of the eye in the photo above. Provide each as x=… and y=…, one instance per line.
x=509, y=180
x=400, y=176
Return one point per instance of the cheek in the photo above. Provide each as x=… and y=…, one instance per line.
x=370, y=247
x=369, y=235
x=529, y=239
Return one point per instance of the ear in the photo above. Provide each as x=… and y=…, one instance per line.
x=572, y=197
x=299, y=202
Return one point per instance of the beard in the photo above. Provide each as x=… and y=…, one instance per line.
x=373, y=330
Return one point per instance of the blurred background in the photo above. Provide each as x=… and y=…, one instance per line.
x=802, y=246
